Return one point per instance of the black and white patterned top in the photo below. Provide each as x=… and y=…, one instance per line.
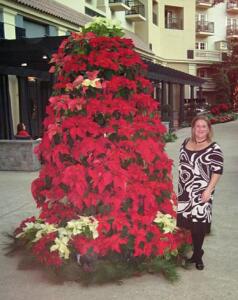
x=195, y=171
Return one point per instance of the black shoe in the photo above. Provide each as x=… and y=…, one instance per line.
x=199, y=265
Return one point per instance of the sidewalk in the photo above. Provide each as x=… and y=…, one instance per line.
x=217, y=281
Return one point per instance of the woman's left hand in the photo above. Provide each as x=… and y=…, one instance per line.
x=206, y=195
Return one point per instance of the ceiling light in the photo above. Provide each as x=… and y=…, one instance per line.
x=44, y=56
x=31, y=78
x=24, y=64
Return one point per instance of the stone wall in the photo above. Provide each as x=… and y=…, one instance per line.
x=18, y=155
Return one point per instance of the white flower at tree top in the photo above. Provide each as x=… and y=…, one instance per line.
x=110, y=24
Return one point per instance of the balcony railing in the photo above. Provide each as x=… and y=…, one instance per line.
x=119, y=5
x=205, y=55
x=209, y=85
x=173, y=23
x=204, y=3
x=204, y=27
x=118, y=1
x=232, y=31
x=232, y=6
x=136, y=12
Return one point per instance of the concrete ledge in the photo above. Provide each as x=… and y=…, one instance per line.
x=18, y=155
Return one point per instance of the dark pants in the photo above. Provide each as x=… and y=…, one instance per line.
x=197, y=239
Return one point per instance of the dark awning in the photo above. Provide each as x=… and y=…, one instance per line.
x=158, y=72
x=35, y=53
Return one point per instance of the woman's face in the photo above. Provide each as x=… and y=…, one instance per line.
x=201, y=129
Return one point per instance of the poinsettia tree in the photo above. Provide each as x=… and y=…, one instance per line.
x=105, y=189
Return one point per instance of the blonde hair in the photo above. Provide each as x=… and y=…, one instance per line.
x=193, y=123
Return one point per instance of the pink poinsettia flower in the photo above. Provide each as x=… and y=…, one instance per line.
x=69, y=86
x=52, y=69
x=76, y=104
x=92, y=75
x=78, y=80
x=53, y=129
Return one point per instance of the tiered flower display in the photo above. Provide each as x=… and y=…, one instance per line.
x=105, y=191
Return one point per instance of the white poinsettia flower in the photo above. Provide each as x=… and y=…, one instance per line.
x=61, y=246
x=62, y=232
x=110, y=24
x=79, y=226
x=44, y=229
x=83, y=225
x=165, y=222
x=41, y=229
x=86, y=82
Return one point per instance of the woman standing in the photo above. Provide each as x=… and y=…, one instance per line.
x=200, y=167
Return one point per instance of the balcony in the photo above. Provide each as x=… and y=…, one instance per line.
x=232, y=31
x=221, y=45
x=119, y=5
x=204, y=55
x=232, y=7
x=136, y=12
x=209, y=85
x=204, y=28
x=173, y=23
x=203, y=4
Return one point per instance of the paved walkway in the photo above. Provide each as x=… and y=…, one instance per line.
x=218, y=281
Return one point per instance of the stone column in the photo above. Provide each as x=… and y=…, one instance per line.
x=9, y=20
x=171, y=104
x=200, y=94
x=181, y=104
x=62, y=31
x=9, y=23
x=191, y=91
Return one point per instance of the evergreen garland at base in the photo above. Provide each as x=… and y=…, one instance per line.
x=100, y=271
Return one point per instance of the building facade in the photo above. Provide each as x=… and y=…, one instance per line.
x=216, y=26
x=165, y=32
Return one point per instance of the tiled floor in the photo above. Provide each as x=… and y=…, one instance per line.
x=217, y=281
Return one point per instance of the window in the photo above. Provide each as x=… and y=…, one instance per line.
x=155, y=13
x=20, y=32
x=232, y=22
x=202, y=73
x=173, y=17
x=92, y=13
x=201, y=46
x=2, y=34
x=201, y=17
x=34, y=29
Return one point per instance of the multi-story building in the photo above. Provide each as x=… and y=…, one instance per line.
x=216, y=26
x=164, y=33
